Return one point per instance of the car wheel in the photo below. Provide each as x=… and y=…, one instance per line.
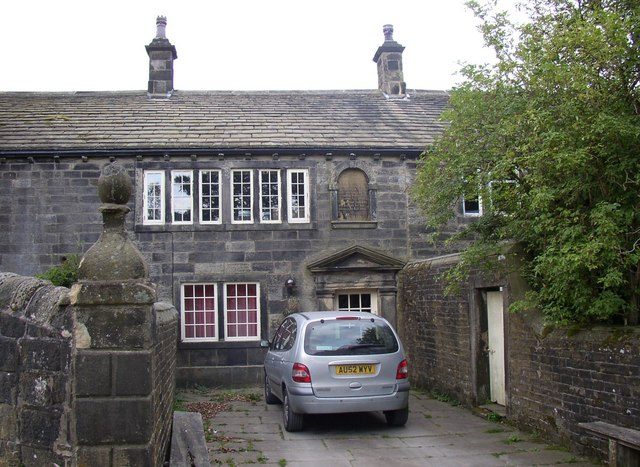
x=269, y=397
x=292, y=421
x=397, y=417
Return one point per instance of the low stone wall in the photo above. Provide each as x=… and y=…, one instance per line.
x=554, y=379
x=35, y=372
x=75, y=389
x=560, y=380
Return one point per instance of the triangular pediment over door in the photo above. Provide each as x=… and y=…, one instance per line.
x=357, y=269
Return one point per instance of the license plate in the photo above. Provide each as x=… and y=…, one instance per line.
x=360, y=369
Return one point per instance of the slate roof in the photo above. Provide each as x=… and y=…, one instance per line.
x=330, y=120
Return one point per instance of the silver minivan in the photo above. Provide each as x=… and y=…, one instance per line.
x=323, y=362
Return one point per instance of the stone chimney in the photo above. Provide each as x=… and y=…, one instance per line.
x=388, y=57
x=161, y=57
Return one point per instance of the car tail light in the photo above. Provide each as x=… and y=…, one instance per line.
x=300, y=373
x=403, y=370
x=347, y=318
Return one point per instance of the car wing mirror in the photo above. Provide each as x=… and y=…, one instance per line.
x=265, y=344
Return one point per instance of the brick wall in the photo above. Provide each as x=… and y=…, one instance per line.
x=35, y=372
x=555, y=379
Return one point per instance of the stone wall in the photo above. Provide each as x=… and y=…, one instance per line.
x=56, y=216
x=64, y=403
x=435, y=329
x=35, y=372
x=555, y=379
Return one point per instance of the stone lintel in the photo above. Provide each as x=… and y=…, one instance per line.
x=113, y=293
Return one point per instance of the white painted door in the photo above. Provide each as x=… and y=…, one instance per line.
x=495, y=323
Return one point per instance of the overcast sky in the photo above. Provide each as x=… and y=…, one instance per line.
x=68, y=45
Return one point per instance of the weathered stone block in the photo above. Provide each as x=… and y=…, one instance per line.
x=112, y=293
x=93, y=373
x=43, y=389
x=123, y=327
x=44, y=354
x=33, y=456
x=8, y=387
x=126, y=421
x=9, y=454
x=39, y=427
x=94, y=457
x=8, y=354
x=9, y=425
x=11, y=326
x=132, y=373
x=132, y=457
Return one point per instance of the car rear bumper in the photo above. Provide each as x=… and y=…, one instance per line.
x=303, y=400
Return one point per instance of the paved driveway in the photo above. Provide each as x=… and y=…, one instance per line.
x=247, y=431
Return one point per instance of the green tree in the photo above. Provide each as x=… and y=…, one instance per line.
x=548, y=137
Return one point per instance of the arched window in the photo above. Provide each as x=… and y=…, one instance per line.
x=353, y=196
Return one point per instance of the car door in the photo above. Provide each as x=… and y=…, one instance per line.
x=272, y=363
x=282, y=348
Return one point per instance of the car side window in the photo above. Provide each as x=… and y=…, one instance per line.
x=286, y=335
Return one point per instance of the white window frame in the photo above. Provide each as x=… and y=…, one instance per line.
x=233, y=220
x=173, y=197
x=258, y=314
x=211, y=171
x=261, y=196
x=372, y=293
x=183, y=322
x=477, y=213
x=145, y=198
x=307, y=216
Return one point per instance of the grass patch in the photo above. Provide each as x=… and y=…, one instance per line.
x=556, y=447
x=282, y=462
x=446, y=398
x=494, y=417
x=262, y=459
x=495, y=430
x=513, y=439
x=178, y=403
x=427, y=415
x=498, y=454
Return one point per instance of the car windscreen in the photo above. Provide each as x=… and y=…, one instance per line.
x=349, y=337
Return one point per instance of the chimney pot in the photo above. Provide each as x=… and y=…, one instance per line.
x=161, y=27
x=387, y=30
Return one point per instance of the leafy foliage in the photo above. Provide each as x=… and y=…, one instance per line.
x=65, y=274
x=549, y=138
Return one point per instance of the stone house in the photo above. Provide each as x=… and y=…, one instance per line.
x=247, y=206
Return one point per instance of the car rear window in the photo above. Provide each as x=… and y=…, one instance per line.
x=349, y=337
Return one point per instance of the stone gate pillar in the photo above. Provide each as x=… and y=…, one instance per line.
x=125, y=345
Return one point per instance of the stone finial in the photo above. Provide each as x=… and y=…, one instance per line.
x=387, y=30
x=161, y=27
x=114, y=185
x=113, y=257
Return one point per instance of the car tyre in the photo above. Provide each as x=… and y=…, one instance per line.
x=292, y=421
x=397, y=417
x=269, y=397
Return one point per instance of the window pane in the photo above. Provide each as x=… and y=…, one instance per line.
x=242, y=310
x=209, y=196
x=199, y=311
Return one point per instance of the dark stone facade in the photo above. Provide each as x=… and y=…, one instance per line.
x=555, y=379
x=56, y=216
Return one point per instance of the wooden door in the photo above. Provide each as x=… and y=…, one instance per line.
x=495, y=325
